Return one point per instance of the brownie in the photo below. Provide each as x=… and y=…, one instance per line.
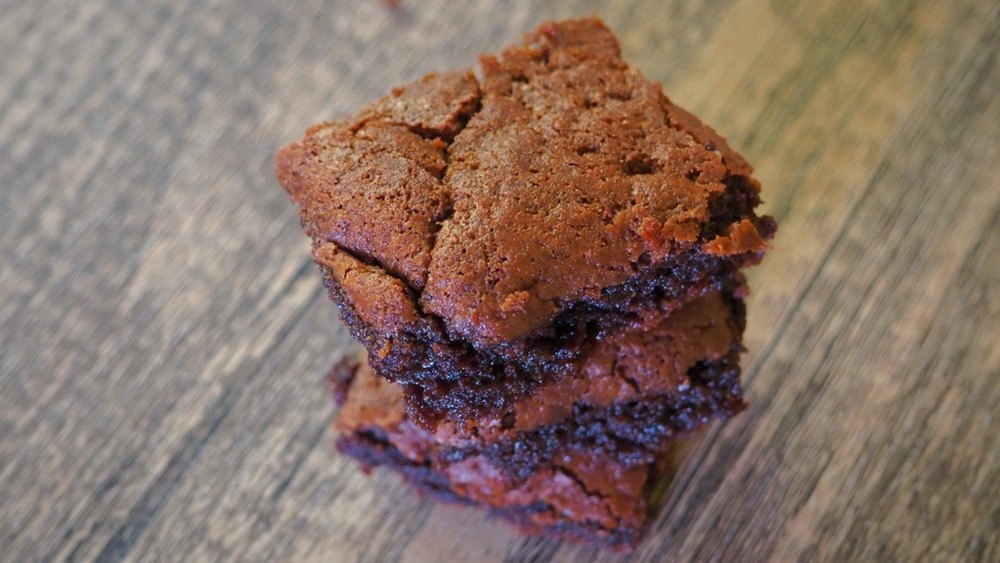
x=581, y=495
x=639, y=387
x=481, y=235
x=663, y=374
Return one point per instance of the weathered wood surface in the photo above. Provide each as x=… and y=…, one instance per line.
x=163, y=333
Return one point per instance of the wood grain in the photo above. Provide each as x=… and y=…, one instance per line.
x=163, y=334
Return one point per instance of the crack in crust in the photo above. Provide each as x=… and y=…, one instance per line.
x=373, y=184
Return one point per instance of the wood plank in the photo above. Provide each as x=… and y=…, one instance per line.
x=162, y=333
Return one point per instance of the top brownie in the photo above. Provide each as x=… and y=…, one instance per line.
x=477, y=233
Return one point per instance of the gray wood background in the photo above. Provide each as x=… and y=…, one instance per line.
x=164, y=334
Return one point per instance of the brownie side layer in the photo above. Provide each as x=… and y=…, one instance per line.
x=579, y=495
x=651, y=357
x=630, y=432
x=470, y=231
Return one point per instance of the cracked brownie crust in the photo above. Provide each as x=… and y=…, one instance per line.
x=478, y=233
x=372, y=184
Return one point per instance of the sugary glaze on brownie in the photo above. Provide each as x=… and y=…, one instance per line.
x=583, y=495
x=651, y=357
x=498, y=204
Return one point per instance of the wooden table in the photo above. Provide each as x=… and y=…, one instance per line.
x=164, y=333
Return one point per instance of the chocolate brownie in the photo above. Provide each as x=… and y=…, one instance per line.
x=480, y=235
x=581, y=495
x=659, y=358
x=637, y=389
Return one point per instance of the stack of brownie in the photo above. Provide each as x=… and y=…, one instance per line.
x=543, y=264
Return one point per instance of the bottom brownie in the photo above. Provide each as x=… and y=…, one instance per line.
x=581, y=495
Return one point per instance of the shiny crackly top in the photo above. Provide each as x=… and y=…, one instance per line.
x=498, y=202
